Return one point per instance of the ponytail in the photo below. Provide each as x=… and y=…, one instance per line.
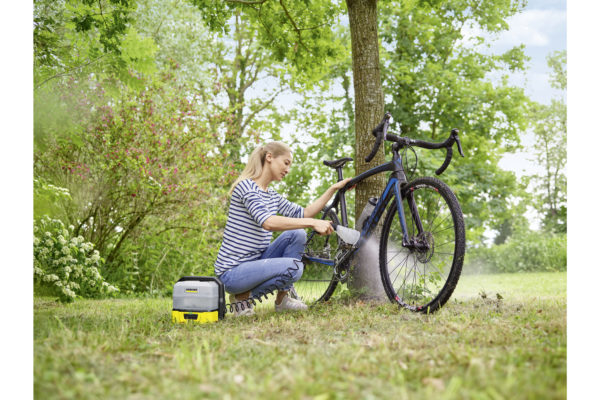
x=256, y=161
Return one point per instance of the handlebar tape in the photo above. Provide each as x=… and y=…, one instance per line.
x=441, y=169
x=375, y=147
x=378, y=132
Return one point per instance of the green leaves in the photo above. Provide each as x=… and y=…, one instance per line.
x=108, y=18
x=300, y=33
x=550, y=149
x=437, y=80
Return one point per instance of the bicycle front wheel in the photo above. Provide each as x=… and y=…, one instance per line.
x=421, y=275
x=318, y=280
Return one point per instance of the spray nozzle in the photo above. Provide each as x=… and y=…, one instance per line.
x=348, y=235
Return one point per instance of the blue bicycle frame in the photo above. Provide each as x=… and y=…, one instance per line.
x=393, y=189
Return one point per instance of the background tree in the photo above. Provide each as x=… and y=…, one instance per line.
x=550, y=149
x=437, y=76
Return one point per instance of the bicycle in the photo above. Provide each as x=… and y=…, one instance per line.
x=420, y=257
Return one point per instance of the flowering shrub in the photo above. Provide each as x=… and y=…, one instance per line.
x=67, y=265
x=146, y=161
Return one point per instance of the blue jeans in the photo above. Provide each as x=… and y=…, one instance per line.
x=278, y=267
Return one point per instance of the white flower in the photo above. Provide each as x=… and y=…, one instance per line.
x=71, y=227
x=61, y=240
x=49, y=242
x=68, y=292
x=66, y=251
x=50, y=278
x=36, y=241
x=48, y=234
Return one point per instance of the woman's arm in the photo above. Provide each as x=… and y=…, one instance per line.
x=278, y=223
x=318, y=205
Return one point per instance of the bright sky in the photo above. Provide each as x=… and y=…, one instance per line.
x=542, y=27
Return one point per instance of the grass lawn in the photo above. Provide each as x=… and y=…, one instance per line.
x=499, y=337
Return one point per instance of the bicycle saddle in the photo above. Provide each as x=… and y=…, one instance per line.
x=337, y=163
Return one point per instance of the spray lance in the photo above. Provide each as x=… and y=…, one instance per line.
x=348, y=235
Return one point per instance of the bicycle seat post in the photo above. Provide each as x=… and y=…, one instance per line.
x=340, y=173
x=338, y=165
x=343, y=210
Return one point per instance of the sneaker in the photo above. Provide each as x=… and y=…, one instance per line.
x=246, y=312
x=289, y=304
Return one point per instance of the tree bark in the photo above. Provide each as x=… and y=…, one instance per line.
x=369, y=108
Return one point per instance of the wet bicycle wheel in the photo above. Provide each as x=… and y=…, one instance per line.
x=422, y=275
x=318, y=281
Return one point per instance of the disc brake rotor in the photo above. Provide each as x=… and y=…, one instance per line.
x=427, y=246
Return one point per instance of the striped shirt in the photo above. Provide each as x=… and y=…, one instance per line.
x=244, y=238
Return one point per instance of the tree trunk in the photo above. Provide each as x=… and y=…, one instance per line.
x=369, y=108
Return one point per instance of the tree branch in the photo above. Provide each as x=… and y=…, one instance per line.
x=178, y=227
x=260, y=108
x=247, y=2
x=293, y=24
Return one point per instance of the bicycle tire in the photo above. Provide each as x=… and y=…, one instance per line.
x=428, y=277
x=318, y=282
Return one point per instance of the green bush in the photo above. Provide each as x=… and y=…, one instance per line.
x=64, y=265
x=526, y=252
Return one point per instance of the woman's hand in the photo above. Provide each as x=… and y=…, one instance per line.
x=322, y=227
x=318, y=205
x=337, y=186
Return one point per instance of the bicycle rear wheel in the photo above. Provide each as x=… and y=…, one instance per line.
x=318, y=281
x=422, y=276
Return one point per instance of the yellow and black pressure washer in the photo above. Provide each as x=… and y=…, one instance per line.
x=199, y=299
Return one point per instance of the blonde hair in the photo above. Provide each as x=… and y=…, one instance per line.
x=256, y=161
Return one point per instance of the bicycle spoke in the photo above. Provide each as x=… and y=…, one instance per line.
x=398, y=252
x=400, y=264
x=448, y=242
x=404, y=283
x=442, y=230
x=440, y=223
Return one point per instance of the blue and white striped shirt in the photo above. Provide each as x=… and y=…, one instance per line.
x=244, y=238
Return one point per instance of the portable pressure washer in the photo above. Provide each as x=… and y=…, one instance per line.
x=199, y=299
